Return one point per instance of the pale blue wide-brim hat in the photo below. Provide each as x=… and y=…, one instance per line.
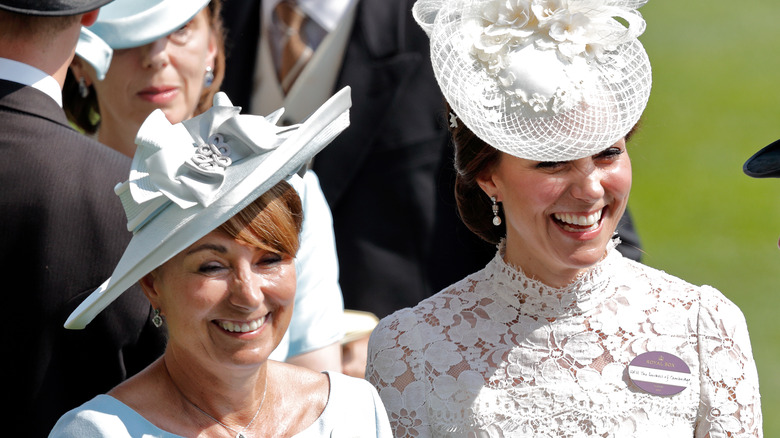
x=189, y=178
x=123, y=24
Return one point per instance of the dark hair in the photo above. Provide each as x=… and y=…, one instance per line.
x=272, y=222
x=23, y=26
x=85, y=112
x=474, y=158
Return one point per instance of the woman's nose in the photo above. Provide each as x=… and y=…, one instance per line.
x=587, y=184
x=156, y=54
x=246, y=291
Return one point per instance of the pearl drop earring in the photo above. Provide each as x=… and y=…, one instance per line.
x=496, y=217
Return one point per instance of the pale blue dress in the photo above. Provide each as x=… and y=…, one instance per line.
x=353, y=410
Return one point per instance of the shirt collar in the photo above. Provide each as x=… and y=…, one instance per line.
x=327, y=14
x=25, y=74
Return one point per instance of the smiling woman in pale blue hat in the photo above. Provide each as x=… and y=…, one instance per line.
x=559, y=335
x=216, y=228
x=169, y=55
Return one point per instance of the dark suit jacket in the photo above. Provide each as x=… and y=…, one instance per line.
x=388, y=178
x=62, y=231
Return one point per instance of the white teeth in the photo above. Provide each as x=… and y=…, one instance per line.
x=242, y=328
x=585, y=221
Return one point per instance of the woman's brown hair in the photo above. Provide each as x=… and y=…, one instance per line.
x=473, y=158
x=272, y=222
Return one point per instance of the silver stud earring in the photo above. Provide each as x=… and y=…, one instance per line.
x=157, y=319
x=496, y=217
x=209, y=76
x=83, y=88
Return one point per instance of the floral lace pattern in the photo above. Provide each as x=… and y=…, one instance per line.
x=501, y=355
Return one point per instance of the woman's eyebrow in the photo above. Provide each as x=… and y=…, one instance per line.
x=208, y=247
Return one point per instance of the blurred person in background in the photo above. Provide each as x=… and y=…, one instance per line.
x=354, y=345
x=62, y=231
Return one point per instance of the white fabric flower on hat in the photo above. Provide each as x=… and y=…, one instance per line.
x=515, y=40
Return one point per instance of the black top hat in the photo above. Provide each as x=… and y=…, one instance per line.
x=765, y=163
x=51, y=8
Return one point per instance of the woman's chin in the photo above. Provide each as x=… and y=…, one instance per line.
x=584, y=258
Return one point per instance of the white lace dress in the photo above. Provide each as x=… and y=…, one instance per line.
x=500, y=355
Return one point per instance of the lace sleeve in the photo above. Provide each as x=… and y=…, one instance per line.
x=730, y=402
x=396, y=373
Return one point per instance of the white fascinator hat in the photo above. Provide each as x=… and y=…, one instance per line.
x=544, y=80
x=189, y=178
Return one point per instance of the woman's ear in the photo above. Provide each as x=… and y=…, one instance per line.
x=89, y=18
x=488, y=186
x=149, y=286
x=81, y=69
x=211, y=54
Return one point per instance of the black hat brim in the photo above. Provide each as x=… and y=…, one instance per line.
x=52, y=8
x=764, y=163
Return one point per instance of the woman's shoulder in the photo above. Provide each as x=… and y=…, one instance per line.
x=353, y=409
x=105, y=416
x=670, y=287
x=427, y=319
x=466, y=288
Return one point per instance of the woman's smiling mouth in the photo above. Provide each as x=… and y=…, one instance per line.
x=242, y=327
x=578, y=223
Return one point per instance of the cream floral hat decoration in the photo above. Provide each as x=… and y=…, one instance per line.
x=545, y=80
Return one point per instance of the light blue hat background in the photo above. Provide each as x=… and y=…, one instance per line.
x=123, y=24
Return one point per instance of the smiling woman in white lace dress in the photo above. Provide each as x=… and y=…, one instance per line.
x=559, y=335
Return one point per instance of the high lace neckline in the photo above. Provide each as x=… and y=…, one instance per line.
x=538, y=300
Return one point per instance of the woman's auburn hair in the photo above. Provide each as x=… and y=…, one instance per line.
x=271, y=222
x=84, y=112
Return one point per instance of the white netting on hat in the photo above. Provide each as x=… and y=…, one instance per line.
x=545, y=80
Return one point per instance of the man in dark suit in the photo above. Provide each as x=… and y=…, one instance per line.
x=388, y=178
x=62, y=229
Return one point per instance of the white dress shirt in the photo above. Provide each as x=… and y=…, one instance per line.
x=24, y=74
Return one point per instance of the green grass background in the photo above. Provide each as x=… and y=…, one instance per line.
x=715, y=101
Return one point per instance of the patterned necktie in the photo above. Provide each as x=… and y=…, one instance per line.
x=289, y=21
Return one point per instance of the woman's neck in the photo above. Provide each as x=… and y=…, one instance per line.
x=229, y=397
x=539, y=269
x=118, y=137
